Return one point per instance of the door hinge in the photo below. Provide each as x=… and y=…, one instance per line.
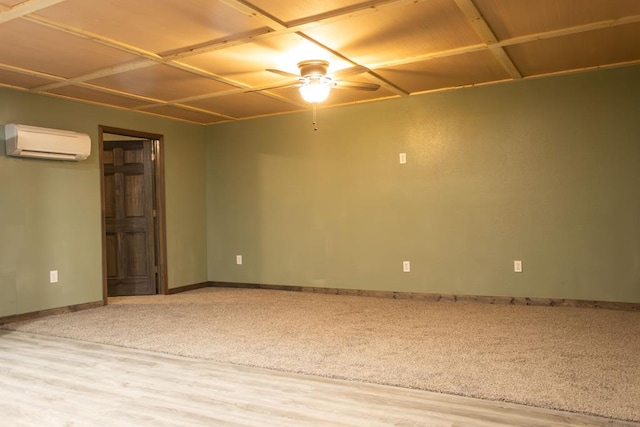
x=155, y=213
x=153, y=157
x=155, y=268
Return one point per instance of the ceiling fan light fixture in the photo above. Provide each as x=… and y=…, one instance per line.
x=316, y=89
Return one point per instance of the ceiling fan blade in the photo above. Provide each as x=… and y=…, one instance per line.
x=356, y=85
x=283, y=73
x=351, y=71
x=280, y=86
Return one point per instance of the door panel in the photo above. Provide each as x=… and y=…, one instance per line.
x=130, y=228
x=134, y=245
x=107, y=157
x=133, y=156
x=112, y=255
x=110, y=196
x=134, y=196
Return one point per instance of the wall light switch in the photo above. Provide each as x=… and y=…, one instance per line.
x=53, y=276
x=406, y=266
x=517, y=266
x=238, y=259
x=403, y=158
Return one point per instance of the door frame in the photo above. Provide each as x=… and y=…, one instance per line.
x=159, y=202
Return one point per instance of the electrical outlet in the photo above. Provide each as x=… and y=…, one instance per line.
x=403, y=158
x=53, y=276
x=238, y=259
x=517, y=266
x=406, y=266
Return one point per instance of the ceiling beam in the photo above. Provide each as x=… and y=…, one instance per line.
x=150, y=107
x=25, y=8
x=585, y=69
x=349, y=12
x=263, y=89
x=203, y=73
x=129, y=66
x=31, y=73
x=428, y=56
x=600, y=25
x=119, y=93
x=219, y=44
x=487, y=36
x=253, y=12
x=535, y=77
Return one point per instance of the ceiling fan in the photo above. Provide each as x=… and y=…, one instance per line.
x=314, y=83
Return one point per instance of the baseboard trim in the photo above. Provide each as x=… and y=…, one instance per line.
x=258, y=286
x=549, y=302
x=50, y=312
x=187, y=288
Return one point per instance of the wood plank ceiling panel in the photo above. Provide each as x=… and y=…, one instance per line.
x=289, y=11
x=21, y=80
x=578, y=51
x=244, y=105
x=11, y=3
x=49, y=51
x=172, y=24
x=508, y=18
x=401, y=32
x=185, y=114
x=448, y=72
x=96, y=96
x=161, y=82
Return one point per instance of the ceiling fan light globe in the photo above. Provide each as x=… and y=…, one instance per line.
x=315, y=92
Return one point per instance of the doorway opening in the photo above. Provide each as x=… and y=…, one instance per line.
x=133, y=213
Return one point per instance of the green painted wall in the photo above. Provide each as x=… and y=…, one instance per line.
x=50, y=211
x=546, y=171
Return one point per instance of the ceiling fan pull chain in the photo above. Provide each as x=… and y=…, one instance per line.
x=315, y=117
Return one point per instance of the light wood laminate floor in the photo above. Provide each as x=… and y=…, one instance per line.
x=48, y=381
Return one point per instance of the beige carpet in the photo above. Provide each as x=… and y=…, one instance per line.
x=576, y=359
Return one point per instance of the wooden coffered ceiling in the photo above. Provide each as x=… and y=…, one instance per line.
x=205, y=61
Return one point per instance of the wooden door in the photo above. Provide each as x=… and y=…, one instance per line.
x=129, y=217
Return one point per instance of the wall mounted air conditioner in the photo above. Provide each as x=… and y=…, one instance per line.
x=43, y=143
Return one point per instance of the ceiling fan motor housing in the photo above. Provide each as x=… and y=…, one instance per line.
x=313, y=67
